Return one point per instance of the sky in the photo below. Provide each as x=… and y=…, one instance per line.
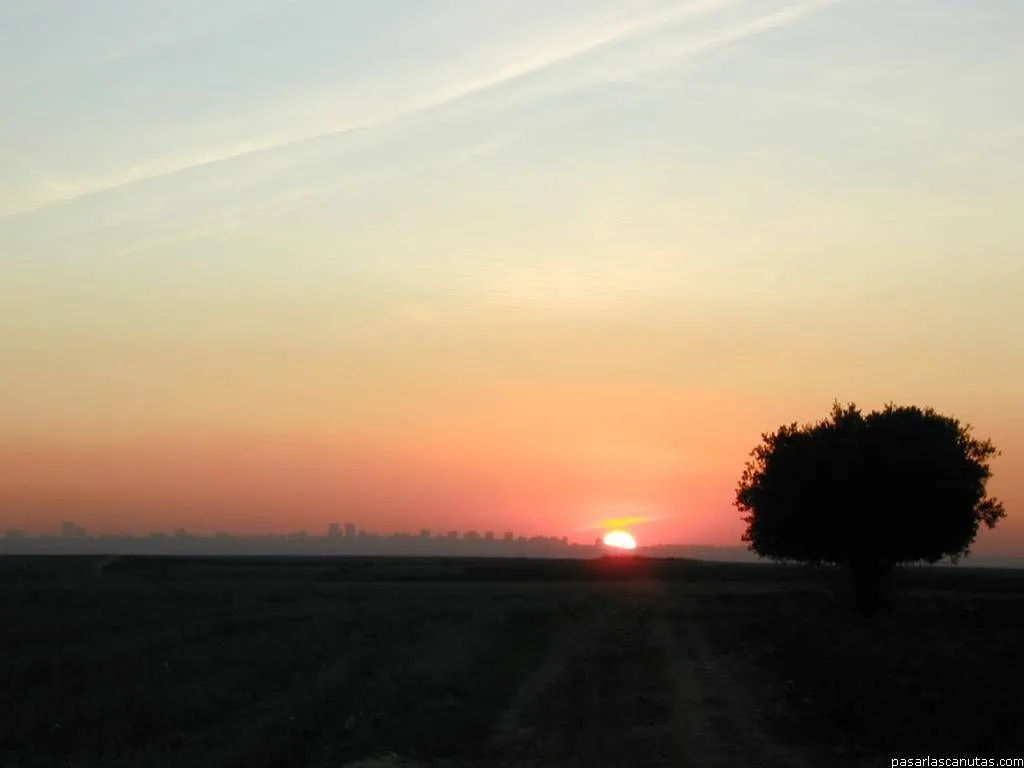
x=524, y=265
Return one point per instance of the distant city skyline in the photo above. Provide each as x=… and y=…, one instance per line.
x=347, y=531
x=72, y=539
x=336, y=539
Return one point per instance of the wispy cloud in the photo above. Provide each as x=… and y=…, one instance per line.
x=53, y=190
x=625, y=522
x=584, y=45
x=696, y=46
x=528, y=62
x=532, y=60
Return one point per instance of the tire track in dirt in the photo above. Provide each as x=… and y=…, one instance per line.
x=631, y=687
x=599, y=699
x=633, y=681
x=716, y=716
x=514, y=725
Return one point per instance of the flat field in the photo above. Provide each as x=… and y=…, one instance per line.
x=327, y=662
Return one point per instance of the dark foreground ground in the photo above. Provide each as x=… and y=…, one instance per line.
x=307, y=662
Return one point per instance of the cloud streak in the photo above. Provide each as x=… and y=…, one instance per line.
x=531, y=63
x=59, y=191
x=677, y=52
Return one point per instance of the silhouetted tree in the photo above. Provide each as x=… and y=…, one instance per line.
x=868, y=492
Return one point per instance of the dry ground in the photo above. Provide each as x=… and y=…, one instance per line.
x=321, y=663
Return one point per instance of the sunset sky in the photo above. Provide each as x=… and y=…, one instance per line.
x=515, y=264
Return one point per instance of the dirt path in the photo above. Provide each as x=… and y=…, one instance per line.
x=716, y=715
x=634, y=687
x=635, y=683
x=599, y=701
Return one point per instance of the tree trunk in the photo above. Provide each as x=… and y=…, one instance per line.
x=868, y=582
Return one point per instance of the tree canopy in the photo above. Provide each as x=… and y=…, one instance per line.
x=897, y=485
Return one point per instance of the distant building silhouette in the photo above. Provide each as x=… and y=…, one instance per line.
x=350, y=530
x=334, y=531
x=489, y=536
x=397, y=543
x=68, y=530
x=471, y=536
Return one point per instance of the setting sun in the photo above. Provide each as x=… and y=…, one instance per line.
x=619, y=540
